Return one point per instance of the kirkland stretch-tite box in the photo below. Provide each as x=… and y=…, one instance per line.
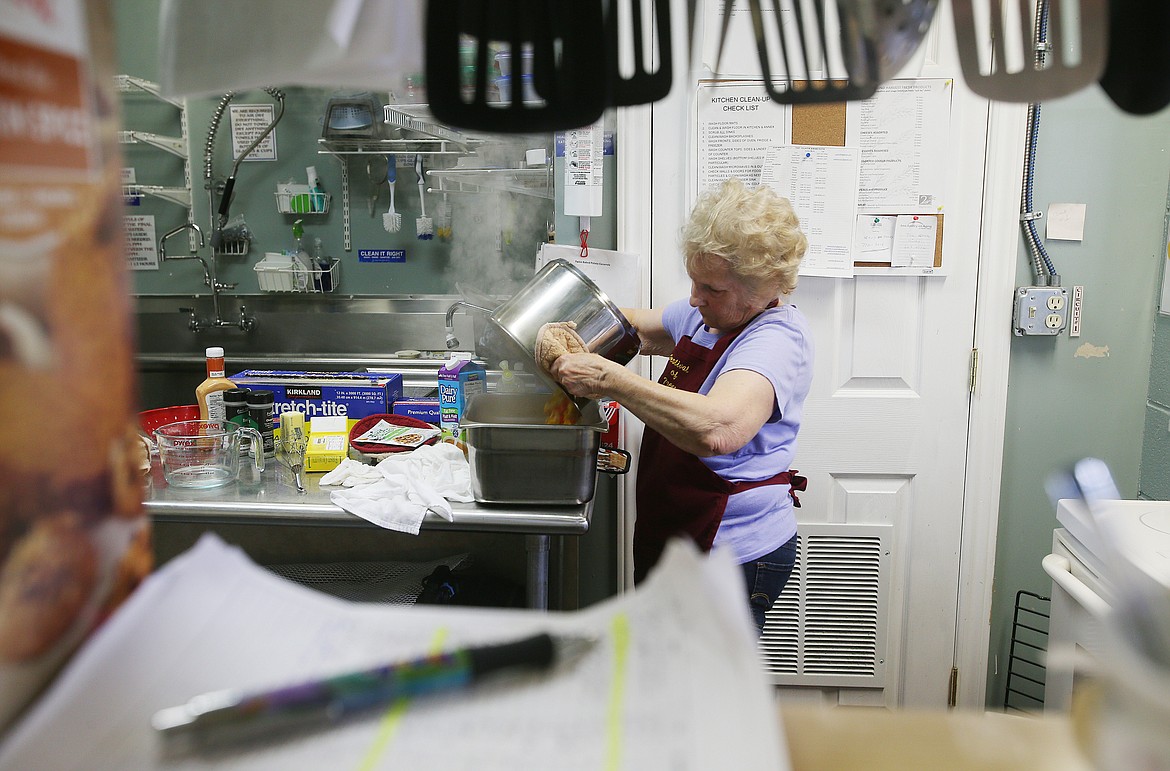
x=353, y=395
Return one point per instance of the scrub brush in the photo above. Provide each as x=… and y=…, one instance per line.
x=424, y=226
x=391, y=220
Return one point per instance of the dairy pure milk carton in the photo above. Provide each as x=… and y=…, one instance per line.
x=460, y=378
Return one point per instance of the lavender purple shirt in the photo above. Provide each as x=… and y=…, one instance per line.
x=778, y=345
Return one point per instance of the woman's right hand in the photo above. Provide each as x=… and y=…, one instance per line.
x=582, y=374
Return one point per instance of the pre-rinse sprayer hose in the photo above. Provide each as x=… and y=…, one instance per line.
x=209, y=153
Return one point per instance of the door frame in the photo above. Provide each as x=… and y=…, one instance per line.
x=998, y=256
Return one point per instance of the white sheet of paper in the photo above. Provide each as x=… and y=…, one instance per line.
x=741, y=56
x=914, y=239
x=821, y=183
x=142, y=243
x=673, y=682
x=902, y=133
x=248, y=122
x=1065, y=222
x=873, y=238
x=618, y=274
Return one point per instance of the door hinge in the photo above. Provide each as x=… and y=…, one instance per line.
x=953, y=689
x=974, y=381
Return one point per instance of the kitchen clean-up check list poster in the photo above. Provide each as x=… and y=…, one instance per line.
x=821, y=183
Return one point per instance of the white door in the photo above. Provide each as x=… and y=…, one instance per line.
x=886, y=426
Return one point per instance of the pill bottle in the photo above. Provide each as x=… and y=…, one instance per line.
x=235, y=408
x=235, y=405
x=260, y=414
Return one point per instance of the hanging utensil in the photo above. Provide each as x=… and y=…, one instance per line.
x=392, y=220
x=424, y=226
x=1027, y=74
x=567, y=40
x=874, y=40
x=1137, y=69
x=643, y=85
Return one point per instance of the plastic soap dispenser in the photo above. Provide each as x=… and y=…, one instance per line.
x=507, y=384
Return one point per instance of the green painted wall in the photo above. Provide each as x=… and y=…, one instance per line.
x=496, y=235
x=1070, y=397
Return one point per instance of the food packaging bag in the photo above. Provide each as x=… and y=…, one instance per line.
x=73, y=538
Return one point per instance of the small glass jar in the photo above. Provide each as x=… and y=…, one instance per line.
x=260, y=405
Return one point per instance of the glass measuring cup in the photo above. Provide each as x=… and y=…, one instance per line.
x=205, y=453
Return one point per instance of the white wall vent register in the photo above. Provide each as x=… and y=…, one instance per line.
x=828, y=628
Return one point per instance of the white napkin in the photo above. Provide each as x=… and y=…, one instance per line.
x=398, y=492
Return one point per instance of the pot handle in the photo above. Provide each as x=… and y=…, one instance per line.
x=613, y=461
x=256, y=448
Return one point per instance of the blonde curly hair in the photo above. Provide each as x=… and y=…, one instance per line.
x=754, y=231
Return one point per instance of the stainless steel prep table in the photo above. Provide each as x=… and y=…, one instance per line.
x=275, y=501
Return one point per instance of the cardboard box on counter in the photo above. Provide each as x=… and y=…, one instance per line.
x=328, y=443
x=422, y=408
x=352, y=395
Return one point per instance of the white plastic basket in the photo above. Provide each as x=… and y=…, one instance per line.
x=281, y=273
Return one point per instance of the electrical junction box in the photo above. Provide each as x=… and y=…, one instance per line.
x=1040, y=310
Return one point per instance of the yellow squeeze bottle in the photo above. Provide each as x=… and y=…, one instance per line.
x=209, y=393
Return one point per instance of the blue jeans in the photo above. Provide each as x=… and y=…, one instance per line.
x=765, y=579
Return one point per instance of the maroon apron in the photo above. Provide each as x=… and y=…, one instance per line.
x=677, y=494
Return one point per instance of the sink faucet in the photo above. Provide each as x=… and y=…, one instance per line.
x=245, y=322
x=449, y=321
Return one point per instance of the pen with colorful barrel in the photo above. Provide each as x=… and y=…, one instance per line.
x=225, y=717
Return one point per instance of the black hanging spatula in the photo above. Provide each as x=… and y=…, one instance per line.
x=1137, y=66
x=567, y=40
x=645, y=83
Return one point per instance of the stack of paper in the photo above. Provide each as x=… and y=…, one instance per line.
x=673, y=683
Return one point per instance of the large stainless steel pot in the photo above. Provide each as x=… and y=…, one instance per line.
x=558, y=292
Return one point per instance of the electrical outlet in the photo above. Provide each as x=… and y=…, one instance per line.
x=1040, y=310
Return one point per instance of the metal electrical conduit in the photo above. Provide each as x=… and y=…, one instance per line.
x=1042, y=267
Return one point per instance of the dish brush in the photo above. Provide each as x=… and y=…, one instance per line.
x=391, y=220
x=424, y=226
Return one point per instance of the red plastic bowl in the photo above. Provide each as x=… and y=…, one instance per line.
x=149, y=420
x=368, y=422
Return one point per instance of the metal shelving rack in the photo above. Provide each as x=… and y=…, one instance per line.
x=422, y=137
x=177, y=146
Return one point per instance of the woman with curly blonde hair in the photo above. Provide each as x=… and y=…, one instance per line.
x=722, y=421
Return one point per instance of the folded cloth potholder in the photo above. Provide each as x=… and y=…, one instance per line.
x=555, y=339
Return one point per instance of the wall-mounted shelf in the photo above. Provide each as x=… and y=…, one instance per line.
x=176, y=146
x=179, y=195
x=127, y=84
x=421, y=137
x=173, y=145
x=536, y=182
